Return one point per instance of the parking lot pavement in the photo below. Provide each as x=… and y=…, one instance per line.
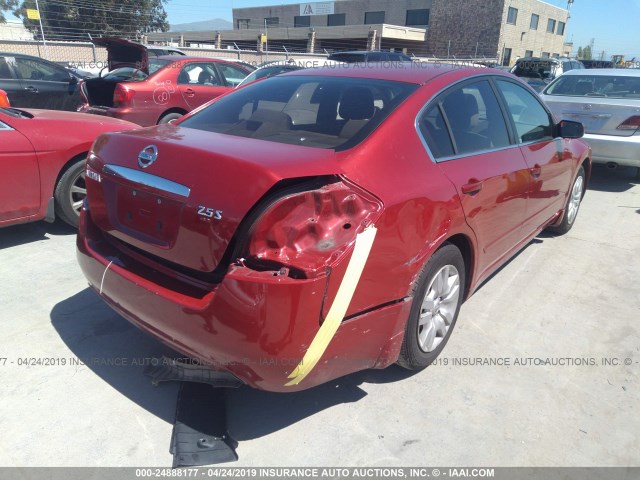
x=542, y=369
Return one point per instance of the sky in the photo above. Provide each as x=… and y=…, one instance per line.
x=614, y=25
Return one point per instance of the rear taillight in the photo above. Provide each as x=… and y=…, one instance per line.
x=307, y=231
x=631, y=123
x=122, y=96
x=4, y=100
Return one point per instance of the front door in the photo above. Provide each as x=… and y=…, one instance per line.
x=467, y=134
x=549, y=169
x=20, y=179
x=47, y=85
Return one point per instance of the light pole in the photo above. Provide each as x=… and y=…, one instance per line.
x=44, y=43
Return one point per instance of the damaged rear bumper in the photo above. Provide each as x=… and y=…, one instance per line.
x=255, y=325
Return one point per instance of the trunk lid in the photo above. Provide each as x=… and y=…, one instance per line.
x=599, y=116
x=180, y=194
x=124, y=53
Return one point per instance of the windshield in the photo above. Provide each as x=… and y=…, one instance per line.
x=610, y=86
x=324, y=112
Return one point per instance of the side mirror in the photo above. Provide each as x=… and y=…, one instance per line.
x=569, y=129
x=73, y=80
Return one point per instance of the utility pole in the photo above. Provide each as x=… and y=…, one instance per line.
x=266, y=43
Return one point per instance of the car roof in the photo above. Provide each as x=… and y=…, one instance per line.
x=543, y=59
x=418, y=73
x=355, y=51
x=620, y=72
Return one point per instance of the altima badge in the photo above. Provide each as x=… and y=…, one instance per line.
x=147, y=156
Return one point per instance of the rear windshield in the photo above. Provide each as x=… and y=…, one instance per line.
x=542, y=69
x=133, y=74
x=348, y=57
x=323, y=112
x=268, y=72
x=610, y=86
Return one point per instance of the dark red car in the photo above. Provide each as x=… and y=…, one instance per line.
x=149, y=91
x=326, y=221
x=42, y=153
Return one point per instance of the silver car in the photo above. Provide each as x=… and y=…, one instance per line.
x=607, y=103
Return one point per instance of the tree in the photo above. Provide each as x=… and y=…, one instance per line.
x=580, y=52
x=586, y=52
x=6, y=6
x=74, y=19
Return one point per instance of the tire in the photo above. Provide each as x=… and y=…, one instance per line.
x=168, y=117
x=573, y=204
x=419, y=347
x=70, y=192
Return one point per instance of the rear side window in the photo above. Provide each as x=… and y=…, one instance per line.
x=435, y=133
x=531, y=120
x=609, y=86
x=324, y=112
x=474, y=120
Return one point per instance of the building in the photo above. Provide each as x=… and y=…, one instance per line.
x=14, y=31
x=532, y=28
x=494, y=29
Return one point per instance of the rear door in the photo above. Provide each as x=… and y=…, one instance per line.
x=20, y=179
x=550, y=168
x=200, y=82
x=467, y=134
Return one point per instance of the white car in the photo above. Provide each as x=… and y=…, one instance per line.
x=607, y=103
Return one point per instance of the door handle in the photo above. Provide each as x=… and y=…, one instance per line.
x=471, y=188
x=536, y=170
x=189, y=92
x=31, y=89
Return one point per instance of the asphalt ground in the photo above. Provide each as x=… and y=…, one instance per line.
x=541, y=370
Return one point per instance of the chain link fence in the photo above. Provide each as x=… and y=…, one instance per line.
x=79, y=54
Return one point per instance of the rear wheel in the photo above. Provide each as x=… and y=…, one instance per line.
x=437, y=298
x=573, y=204
x=70, y=193
x=168, y=117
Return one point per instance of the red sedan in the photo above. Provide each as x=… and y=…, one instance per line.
x=326, y=221
x=42, y=153
x=149, y=91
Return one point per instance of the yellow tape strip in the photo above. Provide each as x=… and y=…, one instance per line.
x=364, y=242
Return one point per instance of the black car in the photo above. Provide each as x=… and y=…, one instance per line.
x=597, y=64
x=539, y=72
x=364, y=56
x=31, y=82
